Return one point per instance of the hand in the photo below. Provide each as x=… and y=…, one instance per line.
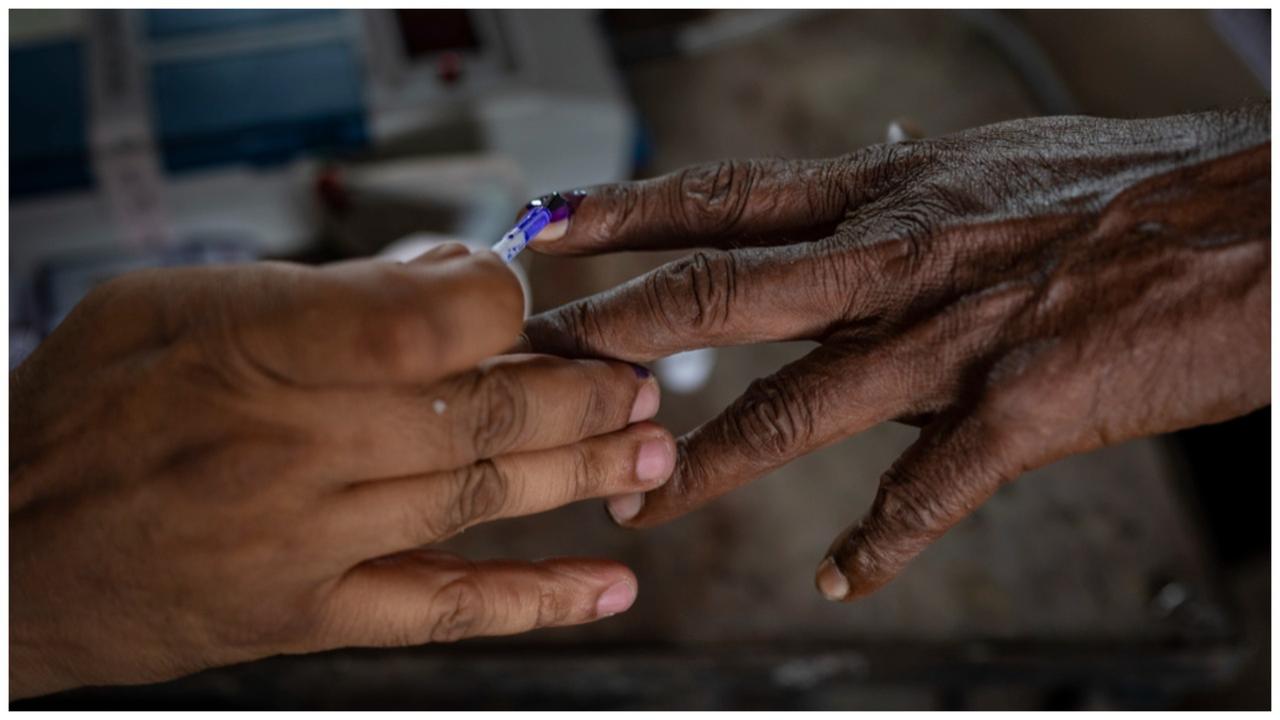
x=219, y=464
x=1021, y=292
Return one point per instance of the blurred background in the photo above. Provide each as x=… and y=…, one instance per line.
x=1134, y=577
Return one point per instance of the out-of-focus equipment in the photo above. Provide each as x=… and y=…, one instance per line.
x=133, y=132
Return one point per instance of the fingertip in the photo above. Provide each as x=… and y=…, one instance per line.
x=653, y=509
x=648, y=431
x=621, y=573
x=473, y=304
x=855, y=567
x=655, y=461
x=647, y=400
x=658, y=504
x=489, y=260
x=617, y=598
x=612, y=585
x=831, y=581
x=505, y=279
x=622, y=508
x=650, y=428
x=654, y=464
x=560, y=207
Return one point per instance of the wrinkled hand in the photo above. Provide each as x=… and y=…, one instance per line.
x=1022, y=292
x=218, y=464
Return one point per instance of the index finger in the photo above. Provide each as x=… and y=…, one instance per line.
x=743, y=202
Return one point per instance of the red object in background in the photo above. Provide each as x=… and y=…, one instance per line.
x=330, y=189
x=449, y=67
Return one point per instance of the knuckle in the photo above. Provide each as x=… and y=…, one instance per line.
x=944, y=198
x=866, y=171
x=565, y=331
x=620, y=203
x=835, y=272
x=1008, y=424
x=230, y=466
x=697, y=292
x=554, y=608
x=602, y=406
x=875, y=170
x=480, y=492
x=830, y=190
x=501, y=411
x=1003, y=408
x=460, y=607
x=583, y=476
x=895, y=242
x=772, y=419
x=912, y=222
x=579, y=332
x=711, y=199
x=1013, y=384
x=908, y=509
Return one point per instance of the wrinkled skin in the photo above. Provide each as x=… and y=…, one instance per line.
x=1021, y=292
x=213, y=465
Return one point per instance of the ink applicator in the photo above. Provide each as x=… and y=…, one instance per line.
x=538, y=214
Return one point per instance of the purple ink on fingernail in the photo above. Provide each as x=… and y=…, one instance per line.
x=558, y=207
x=642, y=372
x=539, y=213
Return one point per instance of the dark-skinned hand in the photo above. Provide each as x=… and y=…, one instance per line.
x=1021, y=292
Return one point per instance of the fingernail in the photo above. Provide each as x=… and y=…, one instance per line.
x=646, y=403
x=553, y=231
x=654, y=462
x=831, y=582
x=624, y=507
x=616, y=599
x=561, y=209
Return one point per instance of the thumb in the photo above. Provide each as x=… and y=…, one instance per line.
x=371, y=321
x=946, y=474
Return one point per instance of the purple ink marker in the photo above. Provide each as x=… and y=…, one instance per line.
x=539, y=214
